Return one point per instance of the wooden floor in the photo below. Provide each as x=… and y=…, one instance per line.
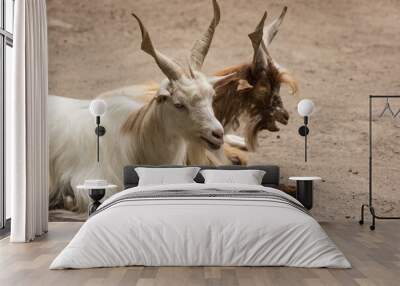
x=375, y=257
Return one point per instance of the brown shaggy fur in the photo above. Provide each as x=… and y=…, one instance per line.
x=254, y=97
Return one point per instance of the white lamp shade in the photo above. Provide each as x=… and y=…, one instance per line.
x=305, y=107
x=98, y=107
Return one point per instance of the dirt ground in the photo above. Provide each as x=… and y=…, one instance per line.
x=340, y=51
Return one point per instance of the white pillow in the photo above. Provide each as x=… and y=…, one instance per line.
x=248, y=177
x=164, y=176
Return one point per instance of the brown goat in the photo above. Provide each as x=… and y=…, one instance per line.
x=254, y=93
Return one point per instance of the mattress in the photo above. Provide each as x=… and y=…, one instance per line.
x=201, y=225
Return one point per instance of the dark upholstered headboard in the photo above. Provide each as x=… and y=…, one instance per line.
x=270, y=179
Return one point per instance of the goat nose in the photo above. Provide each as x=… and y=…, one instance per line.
x=218, y=133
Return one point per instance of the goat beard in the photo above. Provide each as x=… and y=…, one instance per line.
x=262, y=117
x=258, y=123
x=255, y=125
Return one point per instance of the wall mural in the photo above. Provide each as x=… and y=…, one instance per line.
x=209, y=84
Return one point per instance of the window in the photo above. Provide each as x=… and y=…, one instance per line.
x=6, y=44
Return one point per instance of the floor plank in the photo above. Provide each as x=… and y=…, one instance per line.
x=375, y=257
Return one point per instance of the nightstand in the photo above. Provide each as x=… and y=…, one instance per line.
x=96, y=193
x=304, y=191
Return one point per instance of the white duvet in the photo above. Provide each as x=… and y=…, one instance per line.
x=200, y=231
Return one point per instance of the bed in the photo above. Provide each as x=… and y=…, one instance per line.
x=198, y=224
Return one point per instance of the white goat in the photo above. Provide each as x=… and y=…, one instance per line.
x=157, y=132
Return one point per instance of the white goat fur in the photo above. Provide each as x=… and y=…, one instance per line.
x=156, y=139
x=179, y=114
x=73, y=143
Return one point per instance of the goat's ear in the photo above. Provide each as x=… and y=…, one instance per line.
x=164, y=91
x=218, y=81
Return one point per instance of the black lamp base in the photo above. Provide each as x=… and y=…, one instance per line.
x=96, y=195
x=304, y=193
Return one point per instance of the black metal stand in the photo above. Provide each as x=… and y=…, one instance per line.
x=369, y=205
x=304, y=193
x=304, y=131
x=96, y=195
x=100, y=131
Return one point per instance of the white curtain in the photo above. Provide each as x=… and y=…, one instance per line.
x=26, y=124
